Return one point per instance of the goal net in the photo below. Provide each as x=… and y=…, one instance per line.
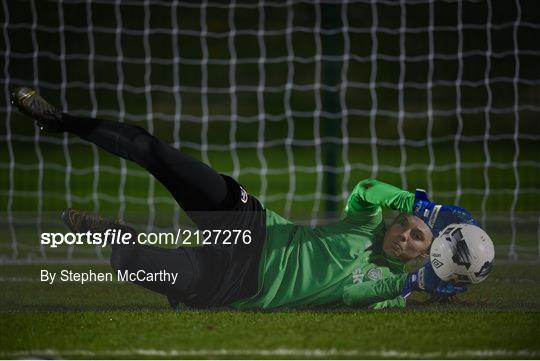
x=298, y=100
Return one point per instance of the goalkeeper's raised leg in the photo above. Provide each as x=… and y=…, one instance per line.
x=178, y=172
x=212, y=275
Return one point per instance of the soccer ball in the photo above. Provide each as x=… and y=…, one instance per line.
x=462, y=253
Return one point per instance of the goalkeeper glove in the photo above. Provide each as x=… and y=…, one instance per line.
x=426, y=280
x=438, y=216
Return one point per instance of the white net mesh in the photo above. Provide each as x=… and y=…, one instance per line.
x=298, y=100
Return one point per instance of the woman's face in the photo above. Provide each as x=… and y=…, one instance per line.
x=407, y=238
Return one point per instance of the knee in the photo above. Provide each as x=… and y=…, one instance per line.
x=124, y=258
x=149, y=155
x=144, y=141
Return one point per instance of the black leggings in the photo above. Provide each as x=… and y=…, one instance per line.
x=196, y=188
x=194, y=185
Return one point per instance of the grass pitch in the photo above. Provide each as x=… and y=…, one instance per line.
x=497, y=319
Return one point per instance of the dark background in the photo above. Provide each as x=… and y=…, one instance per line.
x=297, y=100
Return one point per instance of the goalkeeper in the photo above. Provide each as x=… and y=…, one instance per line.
x=356, y=261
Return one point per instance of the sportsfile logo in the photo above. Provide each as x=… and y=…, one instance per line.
x=184, y=237
x=110, y=236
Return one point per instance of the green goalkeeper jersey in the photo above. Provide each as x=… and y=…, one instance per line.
x=336, y=264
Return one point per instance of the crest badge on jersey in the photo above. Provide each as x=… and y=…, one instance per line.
x=243, y=195
x=375, y=274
